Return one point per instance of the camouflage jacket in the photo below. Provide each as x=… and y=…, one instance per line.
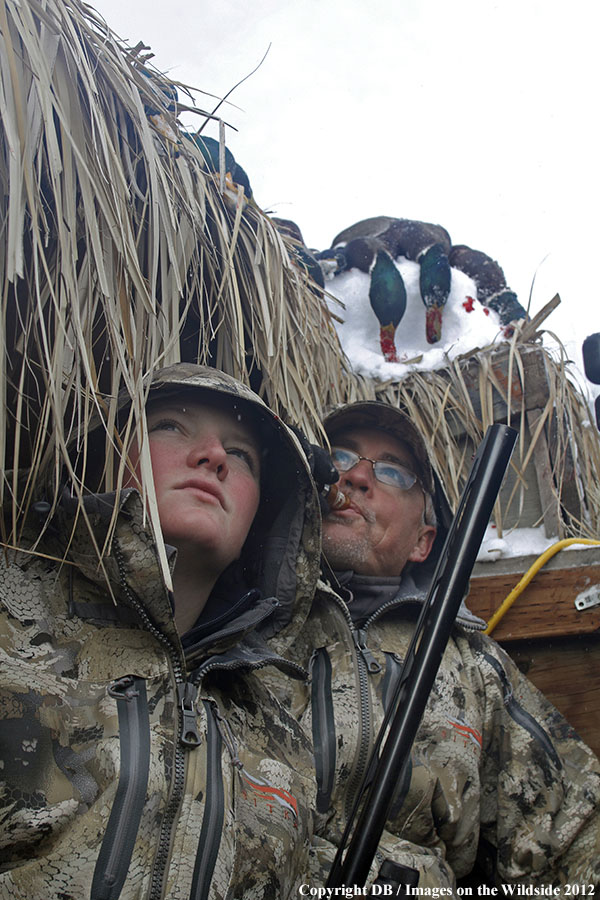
x=130, y=768
x=496, y=777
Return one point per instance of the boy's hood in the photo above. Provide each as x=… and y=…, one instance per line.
x=282, y=553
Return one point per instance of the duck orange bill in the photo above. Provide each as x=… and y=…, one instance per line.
x=386, y=340
x=433, y=324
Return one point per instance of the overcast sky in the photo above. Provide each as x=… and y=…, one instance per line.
x=481, y=116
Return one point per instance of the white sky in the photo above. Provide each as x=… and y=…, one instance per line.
x=480, y=115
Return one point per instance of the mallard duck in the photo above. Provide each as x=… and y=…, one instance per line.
x=492, y=290
x=387, y=295
x=304, y=257
x=210, y=149
x=434, y=284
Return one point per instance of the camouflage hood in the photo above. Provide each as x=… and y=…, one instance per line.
x=281, y=554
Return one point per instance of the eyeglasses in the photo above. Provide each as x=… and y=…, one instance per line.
x=384, y=471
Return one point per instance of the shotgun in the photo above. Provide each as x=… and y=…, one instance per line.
x=448, y=587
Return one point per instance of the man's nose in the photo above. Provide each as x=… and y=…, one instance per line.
x=209, y=453
x=360, y=476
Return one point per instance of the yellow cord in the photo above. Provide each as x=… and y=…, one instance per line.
x=527, y=577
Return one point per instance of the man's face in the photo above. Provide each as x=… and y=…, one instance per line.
x=206, y=469
x=383, y=528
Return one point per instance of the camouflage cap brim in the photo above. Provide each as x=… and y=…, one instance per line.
x=185, y=378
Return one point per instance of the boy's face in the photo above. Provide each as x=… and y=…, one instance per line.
x=206, y=468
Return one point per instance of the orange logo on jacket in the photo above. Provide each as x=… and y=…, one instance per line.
x=270, y=794
x=466, y=732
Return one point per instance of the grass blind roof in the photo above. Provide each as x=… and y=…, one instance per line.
x=120, y=253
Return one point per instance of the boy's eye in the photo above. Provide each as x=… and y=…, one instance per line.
x=164, y=425
x=244, y=455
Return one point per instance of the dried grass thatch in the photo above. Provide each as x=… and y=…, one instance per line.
x=119, y=253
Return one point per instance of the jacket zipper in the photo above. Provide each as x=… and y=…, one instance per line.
x=393, y=671
x=364, y=747
x=186, y=735
x=134, y=739
x=214, y=808
x=401, y=601
x=391, y=604
x=210, y=666
x=323, y=726
x=365, y=662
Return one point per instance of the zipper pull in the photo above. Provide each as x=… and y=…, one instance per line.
x=186, y=695
x=360, y=639
x=224, y=729
x=123, y=689
x=311, y=662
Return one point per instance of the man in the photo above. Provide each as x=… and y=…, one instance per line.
x=497, y=778
x=140, y=754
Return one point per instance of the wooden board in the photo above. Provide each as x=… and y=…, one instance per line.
x=547, y=489
x=546, y=608
x=532, y=391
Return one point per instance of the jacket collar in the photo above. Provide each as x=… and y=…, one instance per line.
x=370, y=594
x=132, y=565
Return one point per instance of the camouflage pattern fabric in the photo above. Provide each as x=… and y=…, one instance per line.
x=128, y=770
x=494, y=765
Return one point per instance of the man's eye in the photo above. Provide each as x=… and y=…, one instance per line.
x=343, y=459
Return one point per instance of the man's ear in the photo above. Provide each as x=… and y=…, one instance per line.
x=423, y=544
